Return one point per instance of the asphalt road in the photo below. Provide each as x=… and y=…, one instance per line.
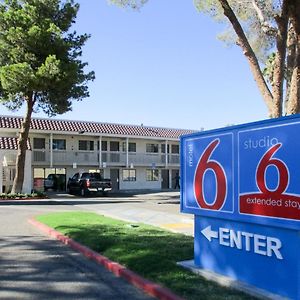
x=33, y=266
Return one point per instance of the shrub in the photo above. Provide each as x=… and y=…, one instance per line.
x=10, y=196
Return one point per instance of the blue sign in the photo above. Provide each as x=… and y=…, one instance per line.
x=262, y=256
x=242, y=183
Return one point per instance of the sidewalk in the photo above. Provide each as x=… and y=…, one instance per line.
x=160, y=209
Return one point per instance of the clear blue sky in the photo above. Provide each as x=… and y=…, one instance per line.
x=162, y=66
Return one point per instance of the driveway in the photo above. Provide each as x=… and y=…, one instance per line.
x=36, y=267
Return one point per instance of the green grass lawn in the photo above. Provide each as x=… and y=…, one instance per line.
x=149, y=251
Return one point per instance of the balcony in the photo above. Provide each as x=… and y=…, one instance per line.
x=91, y=158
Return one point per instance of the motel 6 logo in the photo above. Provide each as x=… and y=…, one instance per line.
x=205, y=164
x=213, y=173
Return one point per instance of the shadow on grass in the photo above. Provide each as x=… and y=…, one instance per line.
x=150, y=252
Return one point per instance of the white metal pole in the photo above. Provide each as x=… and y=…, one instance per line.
x=166, y=157
x=127, y=155
x=100, y=152
x=51, y=150
x=1, y=173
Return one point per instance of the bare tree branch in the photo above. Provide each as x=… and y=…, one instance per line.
x=266, y=26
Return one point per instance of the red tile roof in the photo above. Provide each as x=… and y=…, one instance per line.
x=94, y=127
x=11, y=143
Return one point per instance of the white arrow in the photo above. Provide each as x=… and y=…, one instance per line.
x=209, y=234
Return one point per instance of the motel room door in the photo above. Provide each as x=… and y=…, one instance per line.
x=114, y=177
x=165, y=179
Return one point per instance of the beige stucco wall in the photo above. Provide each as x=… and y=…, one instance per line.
x=141, y=182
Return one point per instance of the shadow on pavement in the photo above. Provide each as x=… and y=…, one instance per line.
x=80, y=201
x=30, y=202
x=168, y=194
x=169, y=202
x=37, y=268
x=64, y=202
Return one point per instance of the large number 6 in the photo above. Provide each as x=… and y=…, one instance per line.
x=221, y=183
x=283, y=174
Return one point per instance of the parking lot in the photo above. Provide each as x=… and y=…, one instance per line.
x=30, y=259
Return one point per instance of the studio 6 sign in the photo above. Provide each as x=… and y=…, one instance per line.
x=272, y=189
x=209, y=165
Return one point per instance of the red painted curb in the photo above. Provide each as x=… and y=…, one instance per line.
x=147, y=286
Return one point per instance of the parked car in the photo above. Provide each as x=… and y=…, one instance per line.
x=56, y=182
x=85, y=183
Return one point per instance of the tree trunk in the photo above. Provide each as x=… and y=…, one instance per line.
x=290, y=63
x=293, y=106
x=252, y=59
x=279, y=62
x=22, y=147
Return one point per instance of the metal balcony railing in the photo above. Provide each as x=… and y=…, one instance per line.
x=42, y=157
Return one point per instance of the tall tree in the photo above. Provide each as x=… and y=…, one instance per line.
x=268, y=32
x=40, y=63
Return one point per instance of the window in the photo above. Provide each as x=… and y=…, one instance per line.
x=86, y=145
x=38, y=173
x=101, y=171
x=129, y=175
x=114, y=146
x=152, y=148
x=59, y=144
x=163, y=148
x=131, y=147
x=75, y=177
x=92, y=176
x=39, y=143
x=103, y=145
x=152, y=174
x=175, y=149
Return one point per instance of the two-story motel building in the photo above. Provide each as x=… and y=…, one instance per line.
x=132, y=156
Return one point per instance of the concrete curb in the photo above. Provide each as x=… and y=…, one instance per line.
x=147, y=286
x=24, y=198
